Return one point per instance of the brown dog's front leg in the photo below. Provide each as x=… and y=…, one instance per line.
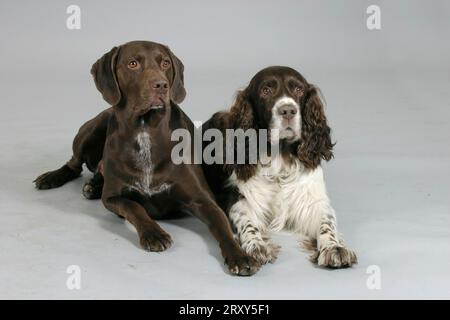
x=151, y=236
x=209, y=212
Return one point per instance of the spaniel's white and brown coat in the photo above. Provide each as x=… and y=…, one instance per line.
x=287, y=192
x=286, y=196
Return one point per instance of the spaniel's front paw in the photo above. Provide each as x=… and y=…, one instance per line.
x=264, y=253
x=336, y=256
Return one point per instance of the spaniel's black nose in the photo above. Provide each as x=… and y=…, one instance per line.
x=287, y=111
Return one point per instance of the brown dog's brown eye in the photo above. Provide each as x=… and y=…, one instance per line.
x=298, y=89
x=165, y=64
x=133, y=64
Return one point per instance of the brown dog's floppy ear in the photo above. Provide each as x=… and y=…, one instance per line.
x=104, y=73
x=315, y=143
x=177, y=90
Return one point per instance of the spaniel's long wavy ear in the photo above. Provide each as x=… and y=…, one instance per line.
x=241, y=116
x=104, y=73
x=177, y=90
x=241, y=113
x=315, y=143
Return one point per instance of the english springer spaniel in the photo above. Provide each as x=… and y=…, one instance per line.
x=288, y=191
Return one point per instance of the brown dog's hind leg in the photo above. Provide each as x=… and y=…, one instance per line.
x=56, y=178
x=151, y=236
x=94, y=187
x=87, y=148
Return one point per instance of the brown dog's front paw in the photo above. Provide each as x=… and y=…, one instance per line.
x=155, y=240
x=336, y=257
x=242, y=265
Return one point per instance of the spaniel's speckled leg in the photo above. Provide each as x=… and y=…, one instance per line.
x=256, y=243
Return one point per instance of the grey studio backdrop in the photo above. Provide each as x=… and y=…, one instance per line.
x=387, y=94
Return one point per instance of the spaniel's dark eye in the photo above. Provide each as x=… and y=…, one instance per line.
x=298, y=89
x=266, y=91
x=165, y=64
x=133, y=64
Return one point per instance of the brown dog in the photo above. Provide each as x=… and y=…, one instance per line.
x=143, y=81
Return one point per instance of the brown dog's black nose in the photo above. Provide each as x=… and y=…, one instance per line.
x=161, y=86
x=287, y=111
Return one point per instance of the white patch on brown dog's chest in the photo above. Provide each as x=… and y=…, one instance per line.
x=144, y=162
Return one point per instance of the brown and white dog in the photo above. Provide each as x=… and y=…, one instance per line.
x=289, y=192
x=129, y=148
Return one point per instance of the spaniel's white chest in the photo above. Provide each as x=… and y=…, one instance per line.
x=264, y=190
x=276, y=191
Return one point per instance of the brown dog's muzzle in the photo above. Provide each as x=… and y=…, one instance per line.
x=156, y=93
x=160, y=89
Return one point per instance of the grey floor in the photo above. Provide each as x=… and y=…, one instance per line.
x=388, y=105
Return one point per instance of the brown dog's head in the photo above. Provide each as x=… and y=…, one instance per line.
x=141, y=75
x=280, y=98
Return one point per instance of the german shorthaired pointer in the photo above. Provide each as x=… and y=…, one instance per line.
x=128, y=147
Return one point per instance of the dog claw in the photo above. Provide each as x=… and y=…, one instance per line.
x=155, y=240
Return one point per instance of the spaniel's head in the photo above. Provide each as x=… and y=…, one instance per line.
x=281, y=98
